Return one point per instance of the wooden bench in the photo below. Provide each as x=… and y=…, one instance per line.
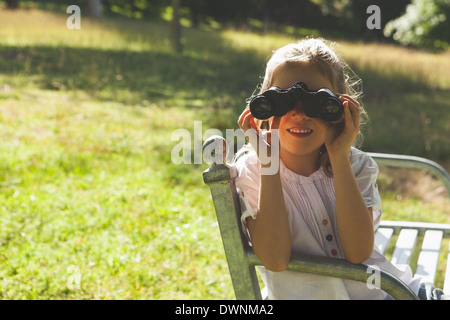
x=413, y=239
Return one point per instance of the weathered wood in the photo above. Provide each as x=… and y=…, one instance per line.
x=226, y=204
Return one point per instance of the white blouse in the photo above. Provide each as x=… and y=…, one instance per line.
x=311, y=207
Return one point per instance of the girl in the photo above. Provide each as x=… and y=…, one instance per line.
x=323, y=200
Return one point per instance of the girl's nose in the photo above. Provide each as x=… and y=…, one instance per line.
x=298, y=110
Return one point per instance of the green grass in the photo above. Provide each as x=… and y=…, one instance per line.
x=86, y=178
x=86, y=185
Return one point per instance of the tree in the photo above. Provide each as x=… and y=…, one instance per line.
x=175, y=26
x=94, y=8
x=424, y=24
x=12, y=4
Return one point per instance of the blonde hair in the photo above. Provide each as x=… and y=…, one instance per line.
x=319, y=53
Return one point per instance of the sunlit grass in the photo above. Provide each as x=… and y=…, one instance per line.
x=88, y=185
x=86, y=178
x=49, y=29
x=390, y=60
x=386, y=59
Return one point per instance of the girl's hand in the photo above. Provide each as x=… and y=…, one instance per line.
x=270, y=231
x=340, y=135
x=246, y=122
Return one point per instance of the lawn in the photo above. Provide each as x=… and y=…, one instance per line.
x=92, y=206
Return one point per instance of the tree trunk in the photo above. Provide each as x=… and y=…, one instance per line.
x=266, y=20
x=94, y=8
x=175, y=26
x=12, y=4
x=194, y=14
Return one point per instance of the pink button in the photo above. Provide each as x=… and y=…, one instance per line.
x=334, y=252
x=324, y=222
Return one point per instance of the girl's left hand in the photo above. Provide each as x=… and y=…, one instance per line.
x=340, y=135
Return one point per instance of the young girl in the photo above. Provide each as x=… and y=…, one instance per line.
x=323, y=200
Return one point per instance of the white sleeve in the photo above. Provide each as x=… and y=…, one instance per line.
x=366, y=173
x=247, y=185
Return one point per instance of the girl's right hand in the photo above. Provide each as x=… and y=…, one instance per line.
x=246, y=122
x=270, y=231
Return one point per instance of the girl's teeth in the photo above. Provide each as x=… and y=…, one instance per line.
x=299, y=131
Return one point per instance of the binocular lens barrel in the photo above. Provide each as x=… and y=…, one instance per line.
x=331, y=109
x=316, y=104
x=261, y=107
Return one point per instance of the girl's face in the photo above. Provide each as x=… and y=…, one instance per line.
x=299, y=134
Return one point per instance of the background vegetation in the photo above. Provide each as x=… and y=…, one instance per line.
x=416, y=23
x=87, y=186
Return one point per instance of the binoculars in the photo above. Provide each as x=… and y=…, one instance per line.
x=275, y=101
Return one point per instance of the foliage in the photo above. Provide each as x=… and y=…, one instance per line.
x=425, y=24
x=135, y=9
x=346, y=17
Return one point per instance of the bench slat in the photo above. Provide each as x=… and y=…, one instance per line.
x=429, y=256
x=404, y=246
x=382, y=238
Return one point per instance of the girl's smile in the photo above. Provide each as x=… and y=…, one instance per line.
x=299, y=131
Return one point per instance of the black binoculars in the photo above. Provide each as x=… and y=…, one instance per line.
x=275, y=101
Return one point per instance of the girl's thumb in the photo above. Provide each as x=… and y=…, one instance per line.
x=275, y=123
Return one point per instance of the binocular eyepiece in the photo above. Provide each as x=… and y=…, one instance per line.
x=275, y=101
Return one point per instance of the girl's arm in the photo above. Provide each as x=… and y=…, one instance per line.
x=269, y=232
x=354, y=219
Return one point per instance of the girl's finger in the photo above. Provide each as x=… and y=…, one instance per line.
x=344, y=97
x=353, y=107
x=349, y=122
x=275, y=122
x=249, y=123
x=246, y=122
x=253, y=123
x=354, y=111
x=243, y=118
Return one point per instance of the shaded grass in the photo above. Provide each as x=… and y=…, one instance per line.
x=86, y=178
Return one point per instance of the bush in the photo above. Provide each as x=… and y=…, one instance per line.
x=424, y=24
